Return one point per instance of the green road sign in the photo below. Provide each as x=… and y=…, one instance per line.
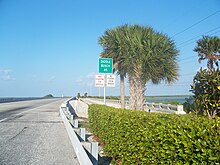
x=105, y=65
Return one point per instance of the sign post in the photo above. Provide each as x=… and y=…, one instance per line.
x=105, y=66
x=104, y=92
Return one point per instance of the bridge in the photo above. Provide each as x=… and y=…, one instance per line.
x=32, y=132
x=43, y=131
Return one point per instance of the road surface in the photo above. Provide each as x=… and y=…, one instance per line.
x=32, y=132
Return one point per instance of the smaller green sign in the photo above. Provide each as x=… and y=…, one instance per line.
x=105, y=65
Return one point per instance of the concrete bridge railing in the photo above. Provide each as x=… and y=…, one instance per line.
x=149, y=107
x=166, y=108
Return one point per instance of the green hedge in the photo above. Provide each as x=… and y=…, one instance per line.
x=137, y=137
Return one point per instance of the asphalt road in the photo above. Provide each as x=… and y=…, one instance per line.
x=32, y=132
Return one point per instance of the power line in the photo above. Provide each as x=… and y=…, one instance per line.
x=187, y=58
x=199, y=36
x=196, y=23
x=195, y=40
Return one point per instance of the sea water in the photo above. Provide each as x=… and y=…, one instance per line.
x=162, y=99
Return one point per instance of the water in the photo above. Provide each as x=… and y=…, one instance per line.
x=162, y=99
x=14, y=99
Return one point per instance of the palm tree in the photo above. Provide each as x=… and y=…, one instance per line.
x=112, y=44
x=152, y=58
x=142, y=54
x=209, y=48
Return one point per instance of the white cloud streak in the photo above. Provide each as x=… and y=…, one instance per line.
x=89, y=77
x=7, y=75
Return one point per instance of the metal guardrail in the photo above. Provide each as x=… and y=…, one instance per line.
x=79, y=145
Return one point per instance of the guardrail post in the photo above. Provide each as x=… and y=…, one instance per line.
x=67, y=104
x=67, y=110
x=94, y=152
x=75, y=123
x=71, y=119
x=83, y=133
x=70, y=116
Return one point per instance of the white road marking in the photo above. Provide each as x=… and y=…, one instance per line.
x=3, y=120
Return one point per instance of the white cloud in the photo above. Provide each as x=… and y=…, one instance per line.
x=79, y=80
x=7, y=75
x=51, y=79
x=91, y=75
x=86, y=78
x=7, y=78
x=7, y=71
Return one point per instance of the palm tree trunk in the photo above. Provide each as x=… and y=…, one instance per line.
x=210, y=65
x=137, y=89
x=140, y=95
x=122, y=91
x=132, y=99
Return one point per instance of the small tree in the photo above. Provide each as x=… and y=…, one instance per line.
x=208, y=48
x=206, y=83
x=78, y=95
x=85, y=94
x=206, y=90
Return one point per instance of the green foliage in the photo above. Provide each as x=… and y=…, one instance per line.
x=48, y=96
x=206, y=89
x=78, y=95
x=188, y=106
x=137, y=48
x=137, y=137
x=85, y=94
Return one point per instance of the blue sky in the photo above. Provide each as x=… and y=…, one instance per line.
x=51, y=46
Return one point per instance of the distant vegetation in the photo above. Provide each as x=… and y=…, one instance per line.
x=173, y=102
x=107, y=97
x=49, y=96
